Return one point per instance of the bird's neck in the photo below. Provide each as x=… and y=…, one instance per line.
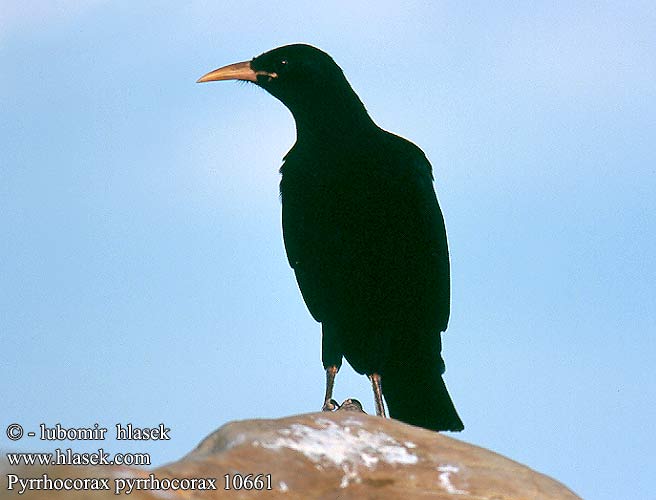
x=333, y=118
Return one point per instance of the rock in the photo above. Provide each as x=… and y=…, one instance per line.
x=344, y=454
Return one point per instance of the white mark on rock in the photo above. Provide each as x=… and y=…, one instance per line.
x=163, y=494
x=445, y=479
x=347, y=421
x=236, y=441
x=282, y=486
x=333, y=443
x=349, y=475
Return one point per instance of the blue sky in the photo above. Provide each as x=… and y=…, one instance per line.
x=142, y=272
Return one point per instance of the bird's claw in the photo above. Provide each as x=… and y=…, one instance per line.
x=330, y=405
x=351, y=404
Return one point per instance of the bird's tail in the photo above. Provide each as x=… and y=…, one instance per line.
x=415, y=392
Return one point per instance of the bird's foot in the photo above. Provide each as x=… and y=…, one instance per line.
x=351, y=404
x=330, y=405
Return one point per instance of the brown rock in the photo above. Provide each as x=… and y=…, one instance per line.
x=337, y=455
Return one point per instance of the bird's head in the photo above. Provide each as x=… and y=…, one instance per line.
x=302, y=77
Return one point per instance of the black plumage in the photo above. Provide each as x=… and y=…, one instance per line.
x=364, y=234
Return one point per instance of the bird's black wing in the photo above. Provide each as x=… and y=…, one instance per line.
x=365, y=234
x=416, y=243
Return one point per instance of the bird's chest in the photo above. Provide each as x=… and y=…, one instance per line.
x=342, y=203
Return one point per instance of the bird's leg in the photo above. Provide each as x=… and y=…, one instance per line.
x=378, y=394
x=329, y=404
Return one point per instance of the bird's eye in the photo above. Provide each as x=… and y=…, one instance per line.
x=282, y=65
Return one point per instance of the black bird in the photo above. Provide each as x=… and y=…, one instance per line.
x=364, y=234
